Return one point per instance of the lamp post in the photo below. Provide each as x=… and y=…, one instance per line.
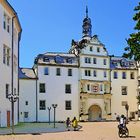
x=127, y=108
x=12, y=98
x=54, y=107
x=49, y=109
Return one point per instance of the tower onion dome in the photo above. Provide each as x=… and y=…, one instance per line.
x=87, y=25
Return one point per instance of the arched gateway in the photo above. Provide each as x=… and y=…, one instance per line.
x=94, y=113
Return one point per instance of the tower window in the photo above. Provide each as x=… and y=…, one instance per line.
x=104, y=61
x=95, y=73
x=87, y=60
x=98, y=49
x=94, y=61
x=105, y=75
x=91, y=48
x=87, y=73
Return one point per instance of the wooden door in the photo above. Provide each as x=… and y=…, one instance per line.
x=8, y=118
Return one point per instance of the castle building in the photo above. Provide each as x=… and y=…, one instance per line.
x=10, y=32
x=86, y=82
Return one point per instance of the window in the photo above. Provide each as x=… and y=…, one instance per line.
x=115, y=75
x=124, y=90
x=132, y=76
x=26, y=115
x=90, y=48
x=105, y=75
x=87, y=73
x=104, y=61
x=42, y=105
x=88, y=87
x=26, y=102
x=6, y=22
x=46, y=71
x=67, y=88
x=15, y=64
x=101, y=87
x=69, y=72
x=95, y=73
x=58, y=72
x=94, y=61
x=87, y=60
x=98, y=49
x=7, y=90
x=42, y=88
x=123, y=75
x=68, y=105
x=6, y=55
x=124, y=103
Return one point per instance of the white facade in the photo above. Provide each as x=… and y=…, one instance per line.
x=54, y=88
x=6, y=14
x=27, y=96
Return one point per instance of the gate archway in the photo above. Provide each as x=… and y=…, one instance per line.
x=94, y=113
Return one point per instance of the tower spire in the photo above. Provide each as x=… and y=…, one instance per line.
x=87, y=25
x=86, y=11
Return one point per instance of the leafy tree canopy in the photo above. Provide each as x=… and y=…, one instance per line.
x=133, y=48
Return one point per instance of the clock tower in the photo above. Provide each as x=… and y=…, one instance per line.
x=87, y=25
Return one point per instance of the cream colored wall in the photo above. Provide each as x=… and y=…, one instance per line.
x=117, y=97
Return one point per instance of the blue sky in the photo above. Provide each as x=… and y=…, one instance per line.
x=50, y=25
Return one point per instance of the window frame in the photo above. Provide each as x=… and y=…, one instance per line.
x=68, y=88
x=115, y=75
x=46, y=71
x=124, y=90
x=69, y=72
x=40, y=88
x=68, y=105
x=58, y=71
x=42, y=107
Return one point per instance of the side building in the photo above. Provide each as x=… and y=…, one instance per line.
x=57, y=83
x=124, y=83
x=10, y=32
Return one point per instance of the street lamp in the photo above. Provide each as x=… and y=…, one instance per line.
x=127, y=108
x=12, y=98
x=54, y=107
x=49, y=109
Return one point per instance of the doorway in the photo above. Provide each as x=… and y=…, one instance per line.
x=94, y=113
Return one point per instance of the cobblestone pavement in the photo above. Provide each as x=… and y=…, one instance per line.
x=89, y=131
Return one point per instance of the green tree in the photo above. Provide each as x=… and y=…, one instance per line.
x=133, y=48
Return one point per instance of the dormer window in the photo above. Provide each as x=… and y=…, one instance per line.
x=91, y=48
x=98, y=49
